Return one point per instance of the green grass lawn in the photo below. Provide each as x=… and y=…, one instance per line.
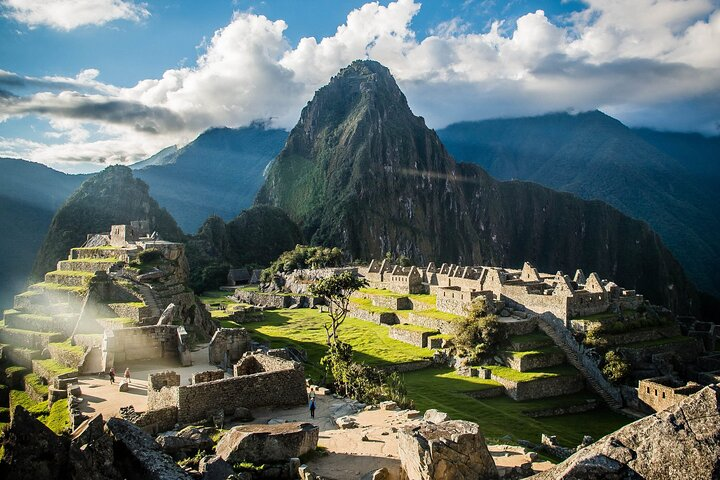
x=498, y=417
x=304, y=328
x=414, y=328
x=424, y=298
x=439, y=388
x=381, y=291
x=216, y=297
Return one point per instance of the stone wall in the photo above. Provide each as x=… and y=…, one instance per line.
x=228, y=345
x=456, y=301
x=528, y=362
x=387, y=318
x=685, y=351
x=140, y=343
x=157, y=421
x=393, y=303
x=582, y=304
x=280, y=383
x=275, y=300
x=406, y=366
x=541, y=388
x=413, y=337
x=517, y=296
x=444, y=326
x=208, y=376
x=642, y=335
x=65, y=356
x=662, y=392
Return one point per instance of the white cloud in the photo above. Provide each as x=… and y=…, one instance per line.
x=635, y=59
x=71, y=14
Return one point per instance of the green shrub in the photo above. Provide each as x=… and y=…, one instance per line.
x=480, y=334
x=303, y=256
x=616, y=369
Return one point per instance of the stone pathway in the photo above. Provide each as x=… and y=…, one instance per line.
x=99, y=396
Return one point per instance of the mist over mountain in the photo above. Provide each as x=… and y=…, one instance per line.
x=663, y=178
x=217, y=173
x=359, y=170
x=29, y=195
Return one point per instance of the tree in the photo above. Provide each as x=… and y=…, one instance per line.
x=480, y=334
x=336, y=291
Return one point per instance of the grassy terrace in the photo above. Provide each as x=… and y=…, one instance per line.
x=498, y=417
x=126, y=321
x=414, y=328
x=420, y=297
x=71, y=273
x=54, y=368
x=304, y=328
x=598, y=317
x=659, y=341
x=439, y=388
x=438, y=315
x=57, y=286
x=93, y=260
x=56, y=417
x=538, y=340
x=520, y=377
x=539, y=351
x=70, y=348
x=217, y=297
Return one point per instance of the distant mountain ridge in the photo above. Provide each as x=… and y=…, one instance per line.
x=217, y=173
x=360, y=171
x=597, y=157
x=29, y=195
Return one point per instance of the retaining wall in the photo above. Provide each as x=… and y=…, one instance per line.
x=541, y=388
x=443, y=326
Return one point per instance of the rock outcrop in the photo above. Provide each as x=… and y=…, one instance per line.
x=137, y=455
x=187, y=441
x=32, y=450
x=453, y=449
x=680, y=442
x=267, y=443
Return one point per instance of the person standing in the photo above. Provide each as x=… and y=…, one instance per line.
x=312, y=407
x=112, y=375
x=127, y=376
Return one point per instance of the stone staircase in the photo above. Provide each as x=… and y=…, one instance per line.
x=577, y=358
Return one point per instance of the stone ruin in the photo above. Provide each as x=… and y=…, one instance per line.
x=258, y=380
x=227, y=346
x=456, y=287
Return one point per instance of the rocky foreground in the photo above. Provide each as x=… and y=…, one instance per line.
x=680, y=442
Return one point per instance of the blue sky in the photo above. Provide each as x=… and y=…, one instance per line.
x=126, y=52
x=84, y=87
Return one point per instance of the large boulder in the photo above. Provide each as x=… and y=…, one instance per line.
x=453, y=450
x=137, y=455
x=267, y=443
x=32, y=450
x=187, y=441
x=682, y=441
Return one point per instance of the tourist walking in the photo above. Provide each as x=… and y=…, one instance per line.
x=312, y=407
x=112, y=375
x=127, y=376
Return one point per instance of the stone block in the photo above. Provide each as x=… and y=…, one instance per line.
x=453, y=449
x=267, y=443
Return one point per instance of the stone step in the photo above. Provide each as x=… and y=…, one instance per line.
x=68, y=278
x=134, y=310
x=28, y=338
x=29, y=321
x=85, y=253
x=29, y=299
x=533, y=360
x=116, y=323
x=86, y=265
x=21, y=356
